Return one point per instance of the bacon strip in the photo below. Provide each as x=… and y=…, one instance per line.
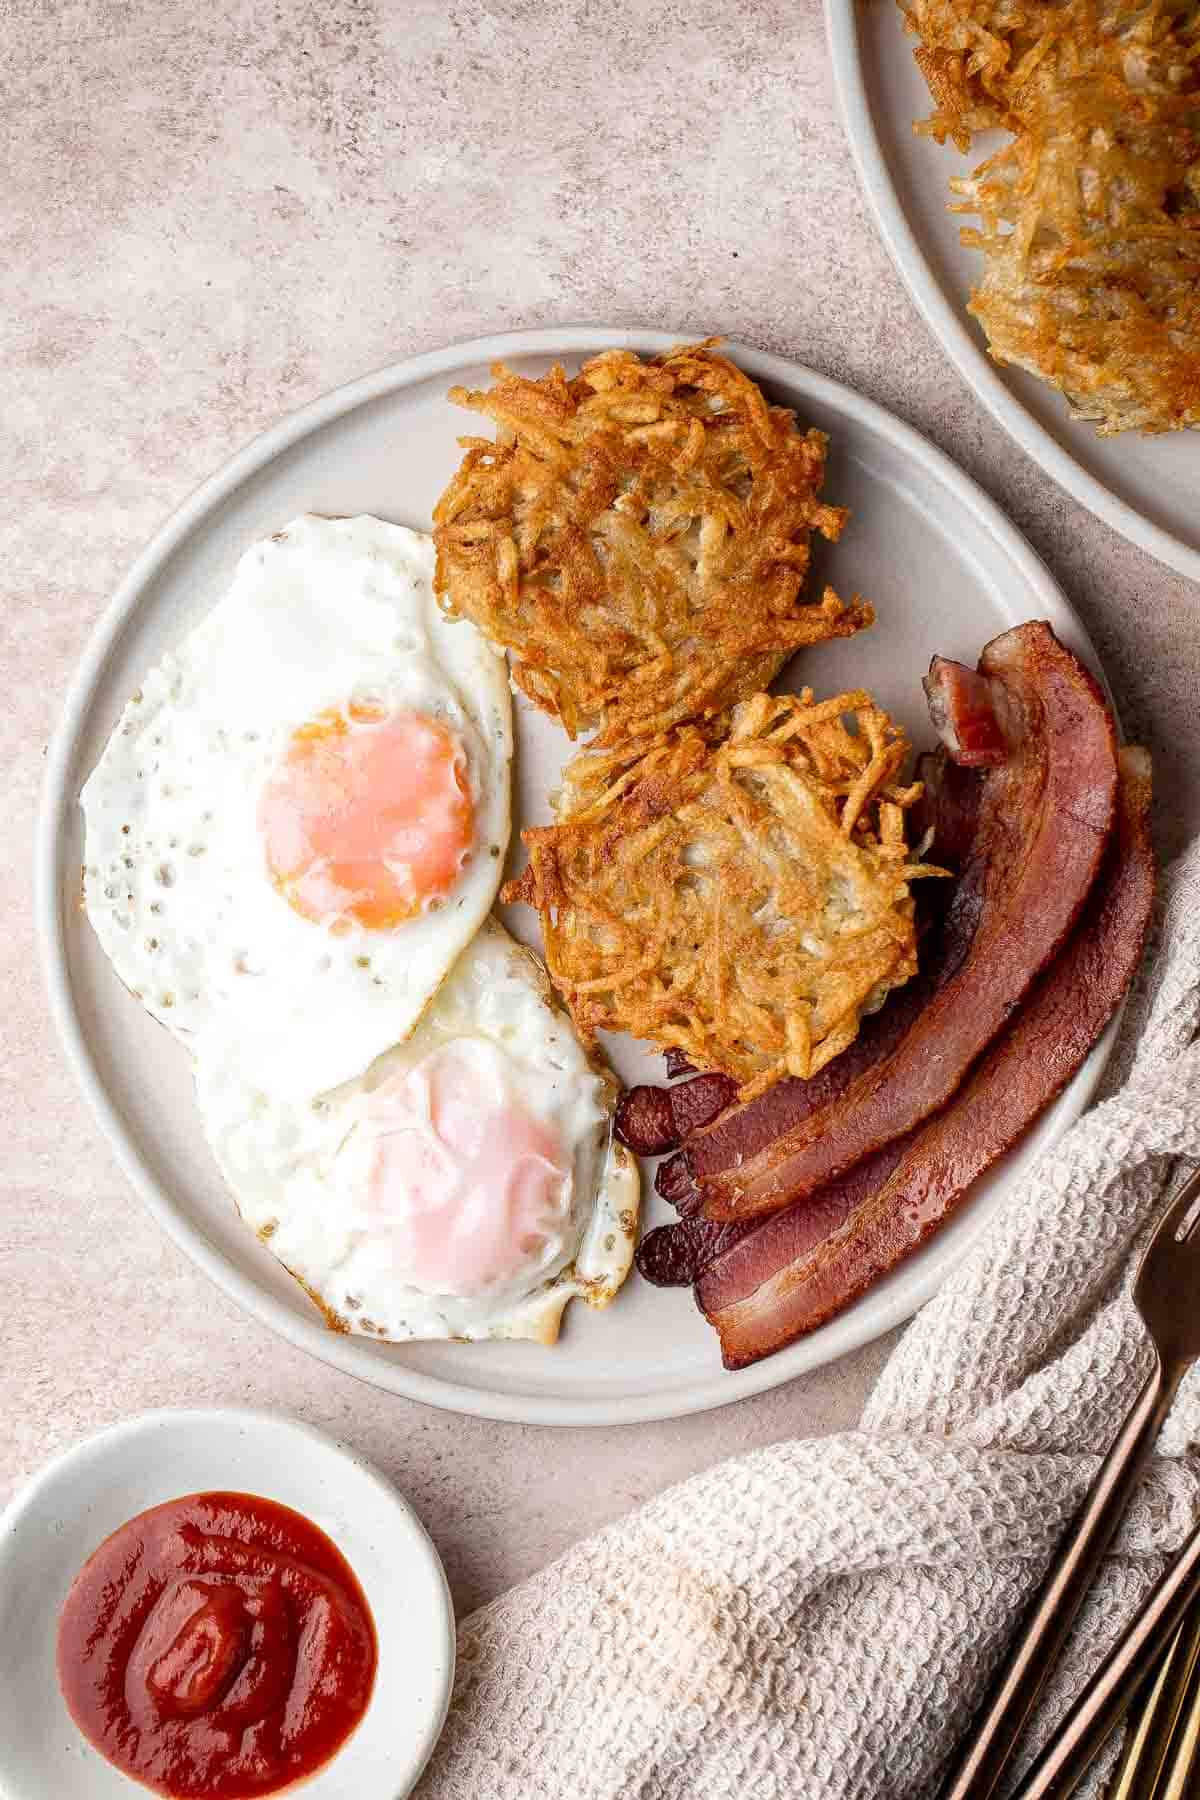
x=652, y=1120
x=963, y=714
x=674, y=1255
x=645, y=1121
x=1043, y=821
x=948, y=809
x=673, y=1181
x=697, y=1102
x=680, y=1254
x=777, y=1284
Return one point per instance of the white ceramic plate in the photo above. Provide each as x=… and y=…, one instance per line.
x=946, y=571
x=51, y=1529
x=1144, y=487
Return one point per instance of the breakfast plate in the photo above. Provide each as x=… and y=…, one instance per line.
x=55, y=1524
x=1145, y=487
x=946, y=573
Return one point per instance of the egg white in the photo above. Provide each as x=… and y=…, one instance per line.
x=175, y=878
x=293, y=1166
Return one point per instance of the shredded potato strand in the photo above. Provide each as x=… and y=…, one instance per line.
x=1089, y=218
x=742, y=897
x=638, y=538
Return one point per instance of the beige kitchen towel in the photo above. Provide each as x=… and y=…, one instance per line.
x=817, y=1621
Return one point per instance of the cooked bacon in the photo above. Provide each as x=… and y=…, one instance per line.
x=779, y=1282
x=645, y=1122
x=1043, y=821
x=963, y=713
x=679, y=1254
x=652, y=1120
x=948, y=809
x=698, y=1102
x=673, y=1181
x=674, y=1255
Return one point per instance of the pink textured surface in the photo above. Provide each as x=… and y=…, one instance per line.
x=214, y=213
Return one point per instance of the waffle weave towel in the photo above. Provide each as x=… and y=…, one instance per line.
x=817, y=1621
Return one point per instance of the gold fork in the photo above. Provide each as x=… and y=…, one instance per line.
x=1147, y=1741
x=1165, y=1293
x=1107, y=1697
x=1181, y=1777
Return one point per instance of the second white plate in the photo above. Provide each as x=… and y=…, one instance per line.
x=1146, y=488
x=946, y=572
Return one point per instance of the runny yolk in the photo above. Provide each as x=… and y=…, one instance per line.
x=466, y=1186
x=367, y=817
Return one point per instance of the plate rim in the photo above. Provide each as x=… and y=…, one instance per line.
x=948, y=322
x=862, y=1323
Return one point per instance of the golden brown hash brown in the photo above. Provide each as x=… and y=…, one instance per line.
x=742, y=899
x=1090, y=217
x=638, y=538
x=983, y=59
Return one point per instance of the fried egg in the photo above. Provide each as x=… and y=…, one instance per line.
x=467, y=1186
x=301, y=817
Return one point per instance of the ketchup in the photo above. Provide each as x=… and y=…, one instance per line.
x=216, y=1647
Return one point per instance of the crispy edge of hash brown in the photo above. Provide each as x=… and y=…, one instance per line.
x=1089, y=218
x=638, y=537
x=742, y=898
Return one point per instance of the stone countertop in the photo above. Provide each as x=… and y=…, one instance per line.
x=213, y=213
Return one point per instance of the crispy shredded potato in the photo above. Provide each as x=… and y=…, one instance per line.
x=638, y=538
x=1090, y=217
x=741, y=898
x=982, y=59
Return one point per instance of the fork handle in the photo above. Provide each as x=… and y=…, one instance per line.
x=1040, y=1638
x=1099, y=1709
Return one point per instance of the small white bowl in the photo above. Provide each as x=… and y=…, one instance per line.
x=54, y=1525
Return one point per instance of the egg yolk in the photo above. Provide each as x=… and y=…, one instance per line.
x=467, y=1186
x=367, y=817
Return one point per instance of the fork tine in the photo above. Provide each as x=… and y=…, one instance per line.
x=1176, y=1213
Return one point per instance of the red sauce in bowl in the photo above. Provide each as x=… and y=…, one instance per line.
x=216, y=1647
